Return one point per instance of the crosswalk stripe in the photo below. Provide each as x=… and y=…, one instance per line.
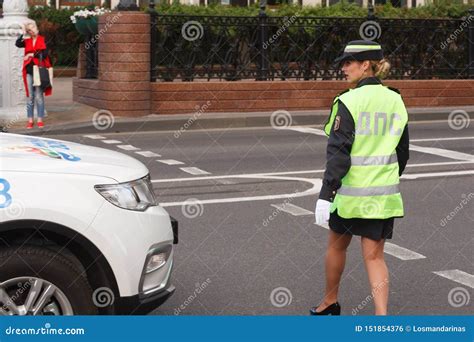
x=148, y=154
x=128, y=147
x=93, y=136
x=170, y=162
x=292, y=209
x=194, y=171
x=458, y=276
x=111, y=141
x=401, y=252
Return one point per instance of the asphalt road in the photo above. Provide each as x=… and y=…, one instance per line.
x=244, y=199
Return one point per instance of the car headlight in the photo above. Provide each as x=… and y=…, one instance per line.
x=135, y=195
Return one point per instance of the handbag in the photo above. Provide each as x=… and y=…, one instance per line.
x=42, y=77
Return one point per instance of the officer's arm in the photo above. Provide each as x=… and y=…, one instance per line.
x=338, y=155
x=403, y=151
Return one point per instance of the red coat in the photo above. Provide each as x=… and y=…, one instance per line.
x=29, y=48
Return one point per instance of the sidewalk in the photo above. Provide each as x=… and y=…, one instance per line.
x=68, y=117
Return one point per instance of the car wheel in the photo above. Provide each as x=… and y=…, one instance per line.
x=39, y=281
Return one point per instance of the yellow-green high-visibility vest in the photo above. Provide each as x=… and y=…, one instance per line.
x=370, y=189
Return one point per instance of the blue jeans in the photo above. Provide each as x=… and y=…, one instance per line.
x=36, y=95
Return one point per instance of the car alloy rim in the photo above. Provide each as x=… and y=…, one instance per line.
x=30, y=296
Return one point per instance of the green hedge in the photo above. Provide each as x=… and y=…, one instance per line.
x=63, y=40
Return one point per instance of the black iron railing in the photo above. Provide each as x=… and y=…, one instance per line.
x=188, y=48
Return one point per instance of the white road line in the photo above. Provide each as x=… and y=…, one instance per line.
x=111, y=141
x=171, y=162
x=401, y=252
x=430, y=150
x=458, y=276
x=442, y=139
x=440, y=163
x=128, y=147
x=443, y=153
x=292, y=209
x=301, y=129
x=93, y=136
x=264, y=175
x=148, y=154
x=436, y=174
x=316, y=185
x=194, y=171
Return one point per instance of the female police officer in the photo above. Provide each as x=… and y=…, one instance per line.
x=367, y=152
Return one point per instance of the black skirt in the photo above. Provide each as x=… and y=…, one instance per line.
x=374, y=229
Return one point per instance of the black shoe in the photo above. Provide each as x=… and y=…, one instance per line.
x=334, y=309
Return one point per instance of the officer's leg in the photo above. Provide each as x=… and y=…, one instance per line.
x=335, y=262
x=377, y=271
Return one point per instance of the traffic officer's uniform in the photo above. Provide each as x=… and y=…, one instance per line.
x=367, y=151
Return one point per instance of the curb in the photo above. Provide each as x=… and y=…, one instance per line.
x=193, y=121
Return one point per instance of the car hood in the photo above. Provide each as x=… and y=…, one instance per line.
x=32, y=154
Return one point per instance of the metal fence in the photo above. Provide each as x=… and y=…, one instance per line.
x=188, y=48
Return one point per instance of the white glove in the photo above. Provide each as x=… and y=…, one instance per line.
x=321, y=213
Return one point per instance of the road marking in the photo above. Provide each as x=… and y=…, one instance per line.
x=458, y=276
x=440, y=163
x=442, y=139
x=128, y=147
x=315, y=182
x=443, y=153
x=263, y=175
x=170, y=162
x=111, y=141
x=292, y=209
x=93, y=136
x=401, y=252
x=436, y=174
x=194, y=171
x=148, y=154
x=325, y=225
x=307, y=130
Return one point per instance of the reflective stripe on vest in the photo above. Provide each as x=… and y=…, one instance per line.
x=374, y=160
x=369, y=191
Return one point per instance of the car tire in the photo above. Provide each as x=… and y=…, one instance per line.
x=37, y=267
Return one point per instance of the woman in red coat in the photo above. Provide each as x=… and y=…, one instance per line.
x=35, y=49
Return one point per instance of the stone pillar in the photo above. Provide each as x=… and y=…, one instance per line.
x=12, y=92
x=124, y=63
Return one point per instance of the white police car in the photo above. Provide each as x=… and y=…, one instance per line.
x=80, y=231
